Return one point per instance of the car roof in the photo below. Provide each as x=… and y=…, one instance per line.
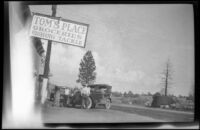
x=63, y=87
x=100, y=86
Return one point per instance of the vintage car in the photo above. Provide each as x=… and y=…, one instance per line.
x=100, y=94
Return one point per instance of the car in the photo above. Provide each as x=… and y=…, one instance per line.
x=100, y=94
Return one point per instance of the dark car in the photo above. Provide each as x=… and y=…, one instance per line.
x=100, y=94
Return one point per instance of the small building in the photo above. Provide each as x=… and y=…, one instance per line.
x=160, y=100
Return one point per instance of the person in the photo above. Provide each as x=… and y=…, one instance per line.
x=67, y=93
x=52, y=96
x=85, y=92
x=57, y=96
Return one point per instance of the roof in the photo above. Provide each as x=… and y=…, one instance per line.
x=54, y=85
x=100, y=86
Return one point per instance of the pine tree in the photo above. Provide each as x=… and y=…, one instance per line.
x=87, y=74
x=130, y=94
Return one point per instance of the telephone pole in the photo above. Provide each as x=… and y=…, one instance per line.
x=47, y=59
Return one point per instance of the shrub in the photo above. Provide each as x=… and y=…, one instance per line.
x=183, y=104
x=125, y=100
x=116, y=99
x=141, y=100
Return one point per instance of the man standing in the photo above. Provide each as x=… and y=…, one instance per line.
x=85, y=93
x=57, y=96
x=66, y=98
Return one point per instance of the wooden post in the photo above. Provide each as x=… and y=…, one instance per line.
x=47, y=59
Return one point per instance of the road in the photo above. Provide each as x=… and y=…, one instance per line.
x=117, y=113
x=77, y=115
x=156, y=113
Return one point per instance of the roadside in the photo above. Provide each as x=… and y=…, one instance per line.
x=151, y=108
x=156, y=113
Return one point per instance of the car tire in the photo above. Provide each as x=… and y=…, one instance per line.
x=108, y=104
x=89, y=103
x=93, y=104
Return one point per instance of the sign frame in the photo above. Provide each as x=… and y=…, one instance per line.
x=60, y=19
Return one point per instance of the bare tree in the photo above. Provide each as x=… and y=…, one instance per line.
x=167, y=76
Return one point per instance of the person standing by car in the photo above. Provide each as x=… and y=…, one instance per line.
x=67, y=92
x=57, y=96
x=85, y=93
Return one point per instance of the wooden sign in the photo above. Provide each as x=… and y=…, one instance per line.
x=59, y=30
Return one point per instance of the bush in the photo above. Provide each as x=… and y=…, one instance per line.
x=141, y=100
x=117, y=94
x=183, y=104
x=116, y=99
x=125, y=100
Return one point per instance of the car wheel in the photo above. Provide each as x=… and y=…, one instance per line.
x=93, y=105
x=88, y=104
x=107, y=105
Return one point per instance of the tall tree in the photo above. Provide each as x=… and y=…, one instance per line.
x=167, y=76
x=87, y=74
x=125, y=94
x=130, y=94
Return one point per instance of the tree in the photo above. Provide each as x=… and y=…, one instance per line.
x=167, y=76
x=125, y=94
x=149, y=94
x=190, y=97
x=87, y=74
x=130, y=94
x=120, y=93
x=136, y=95
x=117, y=94
x=157, y=94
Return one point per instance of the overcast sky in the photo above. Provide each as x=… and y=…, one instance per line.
x=130, y=44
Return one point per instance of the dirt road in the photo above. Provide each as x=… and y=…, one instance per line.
x=117, y=113
x=76, y=115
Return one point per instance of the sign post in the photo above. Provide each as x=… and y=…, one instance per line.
x=47, y=60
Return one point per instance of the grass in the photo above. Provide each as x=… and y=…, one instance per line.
x=180, y=105
x=141, y=100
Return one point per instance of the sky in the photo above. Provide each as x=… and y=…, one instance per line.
x=131, y=44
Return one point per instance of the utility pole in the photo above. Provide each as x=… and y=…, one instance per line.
x=47, y=59
x=166, y=80
x=167, y=76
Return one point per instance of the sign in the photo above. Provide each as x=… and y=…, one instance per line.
x=59, y=30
